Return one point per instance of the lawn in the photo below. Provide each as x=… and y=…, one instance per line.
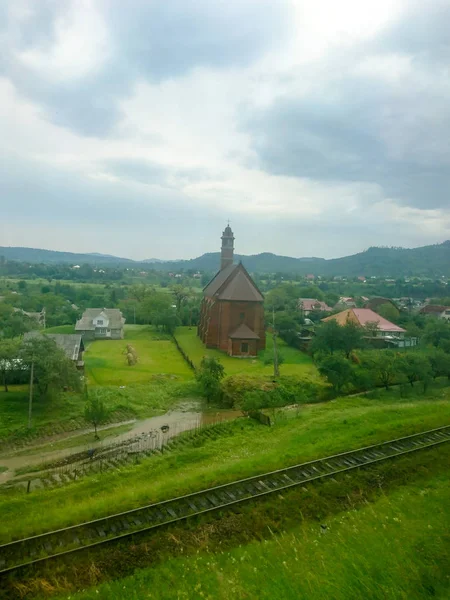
x=246, y=449
x=295, y=362
x=397, y=548
x=60, y=329
x=106, y=362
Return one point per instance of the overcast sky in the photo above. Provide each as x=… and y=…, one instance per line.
x=137, y=128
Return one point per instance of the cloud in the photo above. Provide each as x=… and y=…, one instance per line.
x=78, y=59
x=139, y=129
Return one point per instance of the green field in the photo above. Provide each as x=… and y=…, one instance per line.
x=106, y=362
x=295, y=362
x=248, y=448
x=396, y=548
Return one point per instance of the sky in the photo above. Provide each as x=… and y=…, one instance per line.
x=139, y=128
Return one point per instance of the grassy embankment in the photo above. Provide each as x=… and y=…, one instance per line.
x=160, y=379
x=247, y=449
x=397, y=548
x=295, y=362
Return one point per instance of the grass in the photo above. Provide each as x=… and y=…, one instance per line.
x=396, y=548
x=250, y=448
x=151, y=387
x=66, y=411
x=106, y=362
x=295, y=362
x=60, y=329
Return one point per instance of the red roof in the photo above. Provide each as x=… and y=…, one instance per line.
x=364, y=316
x=313, y=304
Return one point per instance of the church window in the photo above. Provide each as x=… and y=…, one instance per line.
x=244, y=347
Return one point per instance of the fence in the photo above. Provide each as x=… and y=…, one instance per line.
x=126, y=451
x=184, y=355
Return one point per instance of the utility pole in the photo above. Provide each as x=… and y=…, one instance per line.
x=30, y=402
x=276, y=368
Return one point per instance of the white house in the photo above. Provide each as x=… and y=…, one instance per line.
x=101, y=323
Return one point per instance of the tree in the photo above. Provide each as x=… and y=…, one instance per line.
x=437, y=334
x=415, y=367
x=181, y=294
x=209, y=376
x=327, y=339
x=384, y=365
x=337, y=370
x=332, y=337
x=440, y=363
x=52, y=370
x=389, y=312
x=9, y=354
x=95, y=412
x=351, y=338
x=269, y=357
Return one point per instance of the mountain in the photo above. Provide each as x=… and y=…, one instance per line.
x=36, y=255
x=429, y=261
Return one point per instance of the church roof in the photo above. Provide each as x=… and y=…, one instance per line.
x=243, y=332
x=218, y=280
x=233, y=283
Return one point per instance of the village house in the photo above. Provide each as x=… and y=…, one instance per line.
x=71, y=343
x=436, y=310
x=232, y=311
x=345, y=302
x=378, y=329
x=309, y=305
x=101, y=323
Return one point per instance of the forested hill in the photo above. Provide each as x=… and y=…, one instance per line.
x=430, y=261
x=36, y=255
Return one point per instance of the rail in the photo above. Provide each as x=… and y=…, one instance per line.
x=45, y=546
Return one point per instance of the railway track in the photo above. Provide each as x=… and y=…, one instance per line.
x=31, y=550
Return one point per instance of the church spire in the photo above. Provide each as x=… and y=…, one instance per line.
x=227, y=251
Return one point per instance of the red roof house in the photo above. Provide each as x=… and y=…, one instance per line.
x=364, y=317
x=308, y=305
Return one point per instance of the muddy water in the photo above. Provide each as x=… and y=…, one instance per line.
x=176, y=421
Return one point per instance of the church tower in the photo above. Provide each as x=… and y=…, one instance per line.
x=227, y=251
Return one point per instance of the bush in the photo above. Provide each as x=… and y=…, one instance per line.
x=255, y=392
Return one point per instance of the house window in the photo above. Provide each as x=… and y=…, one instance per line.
x=99, y=321
x=242, y=316
x=102, y=330
x=244, y=347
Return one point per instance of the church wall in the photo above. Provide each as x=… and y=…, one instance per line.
x=219, y=319
x=235, y=348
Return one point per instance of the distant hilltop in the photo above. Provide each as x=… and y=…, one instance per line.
x=426, y=261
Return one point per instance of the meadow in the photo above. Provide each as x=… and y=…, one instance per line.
x=295, y=362
x=246, y=449
x=106, y=363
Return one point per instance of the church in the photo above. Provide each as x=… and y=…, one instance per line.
x=232, y=310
